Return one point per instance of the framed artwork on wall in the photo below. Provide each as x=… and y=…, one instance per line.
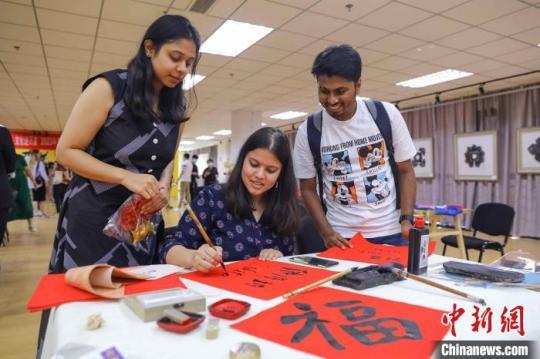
x=528, y=151
x=423, y=159
x=475, y=156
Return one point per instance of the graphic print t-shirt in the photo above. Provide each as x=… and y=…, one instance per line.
x=359, y=187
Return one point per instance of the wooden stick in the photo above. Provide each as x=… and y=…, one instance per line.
x=203, y=232
x=404, y=274
x=318, y=283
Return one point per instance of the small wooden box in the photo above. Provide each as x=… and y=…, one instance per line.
x=150, y=306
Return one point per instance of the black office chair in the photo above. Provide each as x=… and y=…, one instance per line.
x=308, y=239
x=494, y=219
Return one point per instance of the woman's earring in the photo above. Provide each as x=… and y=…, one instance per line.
x=148, y=54
x=276, y=185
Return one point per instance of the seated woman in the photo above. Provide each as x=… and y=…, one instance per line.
x=254, y=214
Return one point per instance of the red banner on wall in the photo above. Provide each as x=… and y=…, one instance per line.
x=35, y=140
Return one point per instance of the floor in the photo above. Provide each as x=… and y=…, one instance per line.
x=25, y=260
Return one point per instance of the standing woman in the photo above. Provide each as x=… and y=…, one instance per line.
x=120, y=139
x=41, y=179
x=23, y=200
x=254, y=214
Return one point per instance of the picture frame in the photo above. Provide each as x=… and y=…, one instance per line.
x=475, y=156
x=528, y=150
x=423, y=160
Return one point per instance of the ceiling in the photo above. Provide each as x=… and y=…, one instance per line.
x=49, y=47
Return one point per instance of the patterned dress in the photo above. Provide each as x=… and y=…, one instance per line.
x=123, y=141
x=240, y=238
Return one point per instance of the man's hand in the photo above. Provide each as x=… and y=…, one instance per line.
x=405, y=227
x=335, y=239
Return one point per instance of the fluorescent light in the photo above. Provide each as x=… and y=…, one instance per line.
x=263, y=124
x=233, y=37
x=223, y=132
x=186, y=142
x=288, y=115
x=204, y=138
x=435, y=78
x=190, y=81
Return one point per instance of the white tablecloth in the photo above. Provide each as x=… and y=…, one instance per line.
x=136, y=339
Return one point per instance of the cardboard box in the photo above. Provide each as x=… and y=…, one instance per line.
x=150, y=306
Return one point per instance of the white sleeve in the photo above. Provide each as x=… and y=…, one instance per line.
x=302, y=157
x=401, y=138
x=43, y=171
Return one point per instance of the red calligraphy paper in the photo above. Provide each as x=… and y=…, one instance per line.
x=53, y=290
x=367, y=252
x=332, y=323
x=260, y=279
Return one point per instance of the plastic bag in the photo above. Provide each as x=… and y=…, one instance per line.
x=520, y=260
x=128, y=224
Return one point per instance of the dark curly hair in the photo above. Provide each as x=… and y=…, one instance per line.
x=340, y=60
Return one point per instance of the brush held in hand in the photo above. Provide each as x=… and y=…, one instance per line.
x=204, y=234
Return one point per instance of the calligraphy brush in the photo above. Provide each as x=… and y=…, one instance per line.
x=203, y=233
x=404, y=274
x=318, y=283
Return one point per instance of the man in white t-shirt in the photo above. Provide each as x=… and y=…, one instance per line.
x=185, y=180
x=358, y=184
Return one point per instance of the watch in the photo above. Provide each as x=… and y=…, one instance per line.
x=406, y=217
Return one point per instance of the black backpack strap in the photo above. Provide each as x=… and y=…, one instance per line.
x=314, y=134
x=380, y=116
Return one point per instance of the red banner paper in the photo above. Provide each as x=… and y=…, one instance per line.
x=260, y=279
x=53, y=290
x=366, y=252
x=332, y=323
x=32, y=140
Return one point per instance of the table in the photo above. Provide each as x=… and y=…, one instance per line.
x=125, y=330
x=436, y=233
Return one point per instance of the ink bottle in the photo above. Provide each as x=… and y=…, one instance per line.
x=418, y=247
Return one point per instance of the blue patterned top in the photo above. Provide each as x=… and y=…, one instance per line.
x=239, y=238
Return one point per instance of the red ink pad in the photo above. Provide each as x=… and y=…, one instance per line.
x=194, y=321
x=229, y=308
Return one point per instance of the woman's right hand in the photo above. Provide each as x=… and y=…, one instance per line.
x=206, y=258
x=143, y=184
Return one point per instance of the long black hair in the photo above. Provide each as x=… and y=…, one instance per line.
x=139, y=92
x=281, y=208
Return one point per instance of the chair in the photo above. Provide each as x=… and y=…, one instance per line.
x=494, y=219
x=308, y=239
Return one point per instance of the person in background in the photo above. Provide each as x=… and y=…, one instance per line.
x=23, y=200
x=41, y=178
x=119, y=140
x=210, y=173
x=7, y=166
x=194, y=188
x=50, y=166
x=254, y=214
x=185, y=180
x=60, y=181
